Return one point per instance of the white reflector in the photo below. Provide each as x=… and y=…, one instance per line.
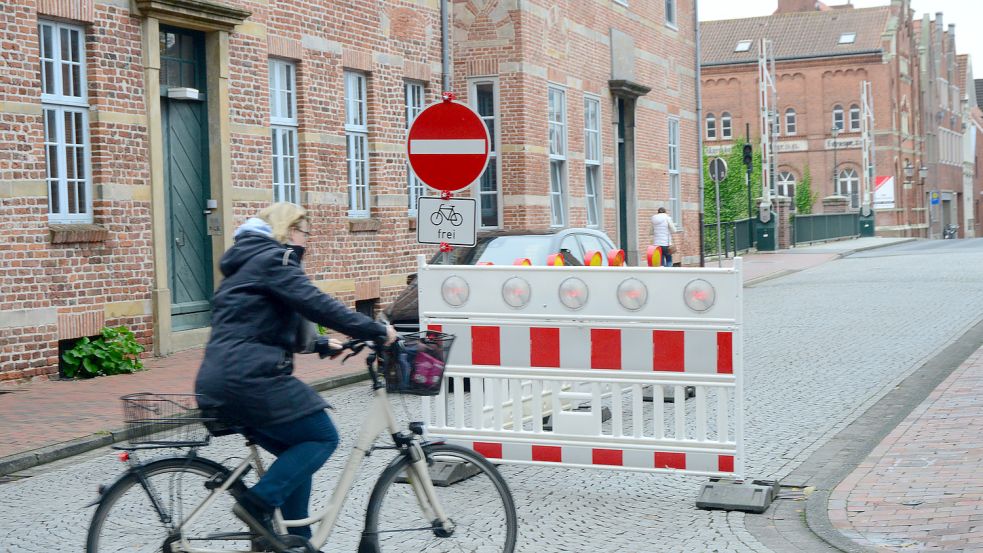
x=573, y=293
x=699, y=295
x=455, y=291
x=632, y=294
x=516, y=292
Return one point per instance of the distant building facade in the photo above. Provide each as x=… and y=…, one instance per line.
x=823, y=54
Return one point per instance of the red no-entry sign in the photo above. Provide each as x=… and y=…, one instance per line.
x=448, y=146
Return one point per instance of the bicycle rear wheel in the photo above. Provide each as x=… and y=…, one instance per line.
x=127, y=520
x=481, y=508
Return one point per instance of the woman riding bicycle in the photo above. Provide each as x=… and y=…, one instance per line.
x=246, y=375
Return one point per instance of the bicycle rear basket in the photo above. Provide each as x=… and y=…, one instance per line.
x=416, y=364
x=164, y=420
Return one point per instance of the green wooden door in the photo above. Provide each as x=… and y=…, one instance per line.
x=185, y=131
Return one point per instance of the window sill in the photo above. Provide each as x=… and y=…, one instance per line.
x=74, y=233
x=363, y=225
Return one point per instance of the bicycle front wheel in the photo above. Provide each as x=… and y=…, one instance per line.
x=137, y=518
x=480, y=507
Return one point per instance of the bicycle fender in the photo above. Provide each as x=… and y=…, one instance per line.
x=103, y=489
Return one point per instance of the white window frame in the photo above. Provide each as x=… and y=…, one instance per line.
x=847, y=38
x=557, y=133
x=838, y=114
x=791, y=122
x=743, y=46
x=711, y=126
x=414, y=94
x=672, y=17
x=675, y=205
x=283, y=131
x=786, y=178
x=357, y=143
x=592, y=160
x=848, y=185
x=726, y=127
x=854, y=118
x=61, y=104
x=493, y=157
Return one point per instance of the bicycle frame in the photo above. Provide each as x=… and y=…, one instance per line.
x=380, y=418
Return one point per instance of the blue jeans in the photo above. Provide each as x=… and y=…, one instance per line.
x=301, y=446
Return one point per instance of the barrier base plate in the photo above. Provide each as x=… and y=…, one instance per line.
x=605, y=416
x=689, y=392
x=447, y=473
x=737, y=495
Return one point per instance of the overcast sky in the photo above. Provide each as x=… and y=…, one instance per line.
x=966, y=14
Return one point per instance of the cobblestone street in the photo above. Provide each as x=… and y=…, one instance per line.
x=821, y=346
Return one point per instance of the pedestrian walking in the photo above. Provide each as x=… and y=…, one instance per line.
x=246, y=378
x=662, y=229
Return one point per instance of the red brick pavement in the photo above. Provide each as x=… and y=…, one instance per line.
x=47, y=412
x=921, y=489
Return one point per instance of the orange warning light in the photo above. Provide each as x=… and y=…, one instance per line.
x=522, y=262
x=654, y=256
x=593, y=258
x=616, y=258
x=555, y=260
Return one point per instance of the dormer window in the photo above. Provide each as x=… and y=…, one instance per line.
x=743, y=46
x=848, y=38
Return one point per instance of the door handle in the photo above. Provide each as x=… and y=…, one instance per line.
x=179, y=240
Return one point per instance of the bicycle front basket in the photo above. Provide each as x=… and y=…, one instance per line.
x=164, y=420
x=416, y=364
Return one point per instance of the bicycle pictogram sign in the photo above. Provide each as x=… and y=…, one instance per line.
x=447, y=221
x=446, y=212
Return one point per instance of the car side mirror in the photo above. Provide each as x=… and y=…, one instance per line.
x=410, y=278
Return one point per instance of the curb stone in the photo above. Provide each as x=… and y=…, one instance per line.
x=47, y=454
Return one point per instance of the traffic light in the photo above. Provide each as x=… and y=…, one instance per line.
x=748, y=157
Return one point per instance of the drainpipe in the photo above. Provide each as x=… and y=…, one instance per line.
x=445, y=54
x=699, y=130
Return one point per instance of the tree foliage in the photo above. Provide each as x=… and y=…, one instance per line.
x=733, y=189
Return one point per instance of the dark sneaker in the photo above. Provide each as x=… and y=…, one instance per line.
x=259, y=518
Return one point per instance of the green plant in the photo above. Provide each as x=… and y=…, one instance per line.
x=804, y=196
x=733, y=189
x=116, y=351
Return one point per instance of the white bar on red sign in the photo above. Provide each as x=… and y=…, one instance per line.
x=441, y=146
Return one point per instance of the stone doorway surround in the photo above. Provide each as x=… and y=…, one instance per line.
x=216, y=21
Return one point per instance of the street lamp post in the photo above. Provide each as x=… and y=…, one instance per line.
x=922, y=173
x=835, y=131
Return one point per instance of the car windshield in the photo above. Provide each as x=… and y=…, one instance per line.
x=502, y=250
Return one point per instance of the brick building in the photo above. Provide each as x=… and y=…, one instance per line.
x=823, y=54
x=944, y=118
x=136, y=135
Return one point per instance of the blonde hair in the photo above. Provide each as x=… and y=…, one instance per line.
x=282, y=217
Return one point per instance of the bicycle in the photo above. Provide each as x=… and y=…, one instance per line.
x=474, y=514
x=446, y=211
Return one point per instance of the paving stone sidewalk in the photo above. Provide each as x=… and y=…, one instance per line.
x=921, y=489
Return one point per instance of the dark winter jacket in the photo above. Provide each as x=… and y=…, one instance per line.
x=247, y=371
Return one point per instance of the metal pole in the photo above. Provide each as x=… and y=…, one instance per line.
x=716, y=188
x=699, y=133
x=445, y=54
x=747, y=180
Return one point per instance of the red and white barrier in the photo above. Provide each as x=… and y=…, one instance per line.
x=547, y=350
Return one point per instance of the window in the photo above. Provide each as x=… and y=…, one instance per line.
x=671, y=13
x=283, y=130
x=593, y=243
x=743, y=46
x=64, y=103
x=855, y=118
x=558, y=155
x=711, y=127
x=838, y=117
x=675, y=207
x=790, y=123
x=847, y=184
x=357, y=141
x=725, y=129
x=786, y=186
x=847, y=38
x=592, y=159
x=484, y=95
x=414, y=105
x=571, y=244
